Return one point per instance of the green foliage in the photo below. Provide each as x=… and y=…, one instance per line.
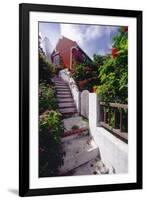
x=121, y=41
x=50, y=125
x=46, y=70
x=85, y=73
x=50, y=152
x=47, y=98
x=98, y=60
x=50, y=131
x=79, y=72
x=113, y=74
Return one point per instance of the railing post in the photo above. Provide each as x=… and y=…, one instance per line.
x=115, y=119
x=79, y=102
x=121, y=120
x=105, y=115
x=98, y=110
x=101, y=113
x=104, y=111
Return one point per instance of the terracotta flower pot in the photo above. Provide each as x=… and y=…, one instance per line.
x=94, y=89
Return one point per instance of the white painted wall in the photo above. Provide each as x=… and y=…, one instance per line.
x=114, y=152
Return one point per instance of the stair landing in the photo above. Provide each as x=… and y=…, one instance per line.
x=77, y=152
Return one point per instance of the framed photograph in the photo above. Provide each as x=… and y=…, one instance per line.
x=80, y=99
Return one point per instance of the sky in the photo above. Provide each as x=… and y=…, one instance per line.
x=93, y=39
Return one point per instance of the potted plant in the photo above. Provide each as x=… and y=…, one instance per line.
x=94, y=88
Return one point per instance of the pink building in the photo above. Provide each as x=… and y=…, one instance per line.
x=68, y=52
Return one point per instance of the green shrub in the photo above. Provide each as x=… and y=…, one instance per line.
x=46, y=70
x=78, y=74
x=50, y=151
x=85, y=75
x=47, y=99
x=113, y=74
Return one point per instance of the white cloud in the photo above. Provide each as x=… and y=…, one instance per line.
x=109, y=31
x=81, y=33
x=72, y=32
x=93, y=32
x=102, y=52
x=86, y=35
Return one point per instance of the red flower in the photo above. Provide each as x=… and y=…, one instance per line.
x=125, y=28
x=114, y=52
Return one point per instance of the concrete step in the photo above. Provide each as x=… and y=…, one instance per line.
x=65, y=100
x=60, y=81
x=74, y=134
x=77, y=152
x=67, y=105
x=93, y=167
x=61, y=84
x=81, y=129
x=63, y=93
x=72, y=121
x=67, y=110
x=64, y=87
x=64, y=96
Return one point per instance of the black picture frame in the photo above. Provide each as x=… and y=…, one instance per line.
x=24, y=187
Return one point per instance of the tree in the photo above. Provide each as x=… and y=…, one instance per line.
x=113, y=74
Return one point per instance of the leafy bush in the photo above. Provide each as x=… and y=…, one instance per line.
x=46, y=70
x=98, y=60
x=50, y=125
x=50, y=152
x=47, y=98
x=78, y=74
x=113, y=74
x=85, y=74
